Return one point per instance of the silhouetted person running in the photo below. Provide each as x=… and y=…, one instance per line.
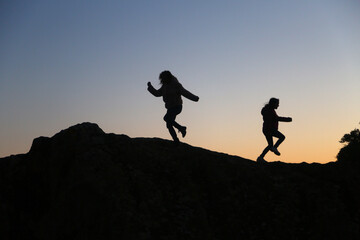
x=270, y=128
x=171, y=91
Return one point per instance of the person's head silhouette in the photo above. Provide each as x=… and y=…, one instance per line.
x=274, y=103
x=166, y=77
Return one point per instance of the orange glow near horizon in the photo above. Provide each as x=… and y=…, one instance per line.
x=295, y=149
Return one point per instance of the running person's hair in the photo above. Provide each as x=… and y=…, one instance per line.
x=272, y=102
x=166, y=77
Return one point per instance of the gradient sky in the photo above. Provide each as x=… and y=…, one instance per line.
x=70, y=61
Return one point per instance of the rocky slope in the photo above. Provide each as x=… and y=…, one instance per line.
x=85, y=184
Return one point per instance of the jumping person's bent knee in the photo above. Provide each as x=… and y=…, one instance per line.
x=282, y=137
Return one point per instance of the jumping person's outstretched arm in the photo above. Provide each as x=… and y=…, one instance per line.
x=188, y=94
x=153, y=91
x=284, y=119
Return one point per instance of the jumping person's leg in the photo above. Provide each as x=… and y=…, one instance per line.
x=271, y=146
x=181, y=129
x=169, y=118
x=270, y=142
x=280, y=137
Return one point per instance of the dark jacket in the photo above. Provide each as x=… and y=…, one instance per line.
x=271, y=119
x=171, y=93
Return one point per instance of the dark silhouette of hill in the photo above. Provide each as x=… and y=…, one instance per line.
x=85, y=184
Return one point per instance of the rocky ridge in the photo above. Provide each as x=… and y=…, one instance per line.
x=83, y=183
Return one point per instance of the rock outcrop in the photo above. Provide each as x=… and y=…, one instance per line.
x=85, y=184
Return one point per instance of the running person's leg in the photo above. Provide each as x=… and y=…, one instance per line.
x=169, y=118
x=280, y=137
x=270, y=142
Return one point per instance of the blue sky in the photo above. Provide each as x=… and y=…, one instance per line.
x=66, y=62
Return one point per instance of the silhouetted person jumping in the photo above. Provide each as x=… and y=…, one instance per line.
x=270, y=128
x=171, y=91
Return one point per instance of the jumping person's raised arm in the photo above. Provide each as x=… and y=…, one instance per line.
x=188, y=94
x=153, y=91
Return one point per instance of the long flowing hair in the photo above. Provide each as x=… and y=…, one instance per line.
x=166, y=77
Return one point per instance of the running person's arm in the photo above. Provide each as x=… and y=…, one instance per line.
x=284, y=119
x=153, y=91
x=188, y=94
